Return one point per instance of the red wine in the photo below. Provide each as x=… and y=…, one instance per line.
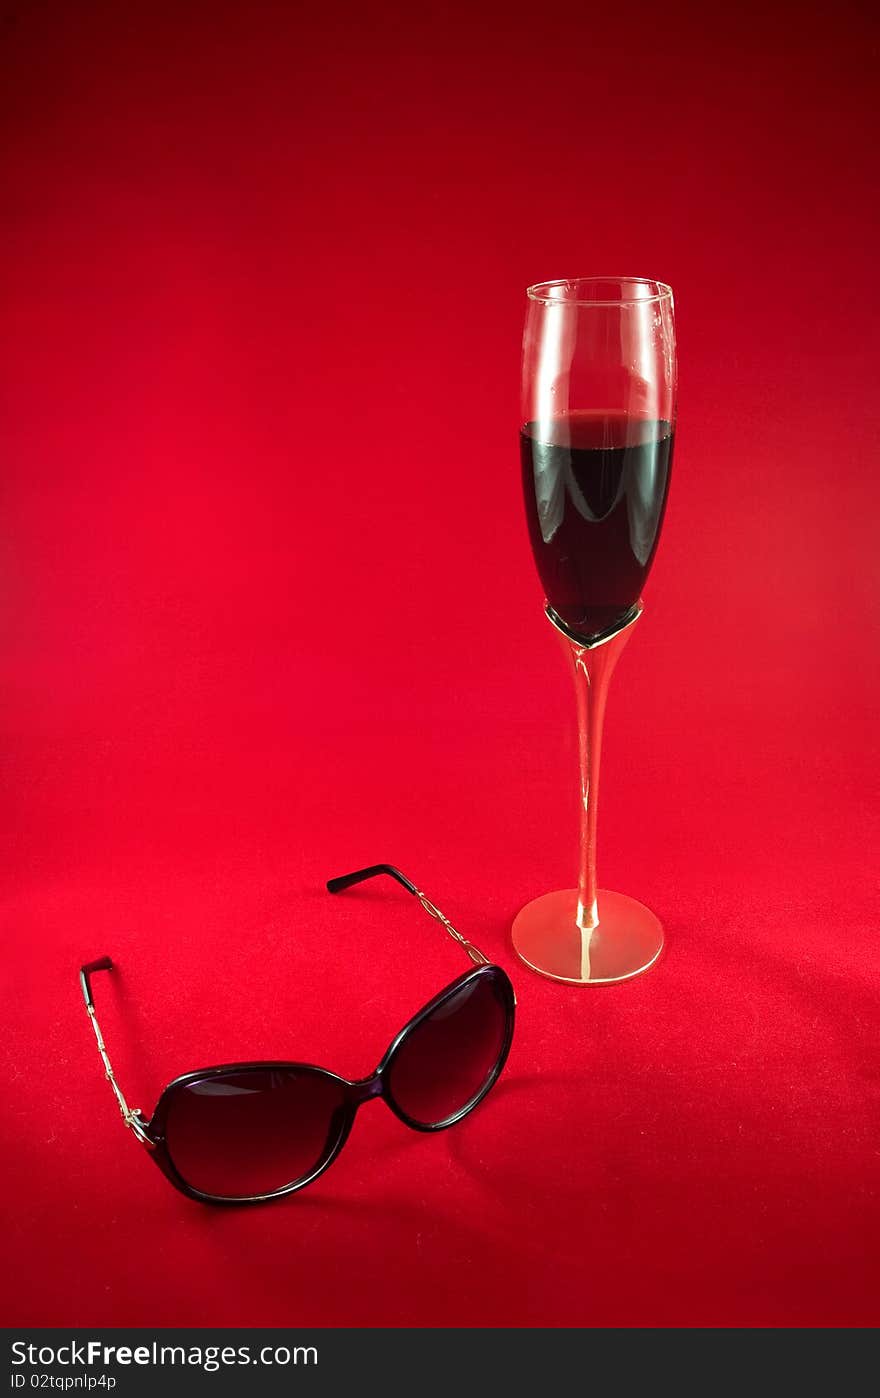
x=595, y=490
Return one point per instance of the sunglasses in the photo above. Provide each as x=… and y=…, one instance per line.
x=243, y=1133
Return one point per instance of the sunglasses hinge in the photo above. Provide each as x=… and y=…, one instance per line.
x=138, y=1128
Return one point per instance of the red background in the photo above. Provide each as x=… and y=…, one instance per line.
x=269, y=614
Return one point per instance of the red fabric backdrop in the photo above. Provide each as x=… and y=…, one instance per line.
x=269, y=614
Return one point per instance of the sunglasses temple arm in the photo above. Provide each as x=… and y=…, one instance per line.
x=132, y=1118
x=346, y=881
x=473, y=952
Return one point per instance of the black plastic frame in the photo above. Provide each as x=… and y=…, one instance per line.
x=356, y=1092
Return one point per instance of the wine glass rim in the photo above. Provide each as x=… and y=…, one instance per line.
x=543, y=292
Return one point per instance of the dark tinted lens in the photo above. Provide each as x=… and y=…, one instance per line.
x=445, y=1063
x=253, y=1132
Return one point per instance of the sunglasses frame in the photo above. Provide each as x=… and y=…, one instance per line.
x=355, y=1092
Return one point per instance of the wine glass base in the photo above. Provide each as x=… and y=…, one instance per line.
x=628, y=939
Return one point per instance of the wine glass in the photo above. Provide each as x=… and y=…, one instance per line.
x=598, y=422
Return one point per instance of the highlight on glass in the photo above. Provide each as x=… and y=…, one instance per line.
x=243, y=1133
x=597, y=429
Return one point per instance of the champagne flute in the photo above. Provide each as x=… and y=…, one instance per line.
x=598, y=415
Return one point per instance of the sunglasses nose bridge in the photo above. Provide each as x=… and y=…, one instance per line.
x=365, y=1089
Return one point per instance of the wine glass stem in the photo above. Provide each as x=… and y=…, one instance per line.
x=591, y=689
x=592, y=666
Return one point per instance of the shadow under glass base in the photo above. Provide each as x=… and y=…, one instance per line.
x=628, y=939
